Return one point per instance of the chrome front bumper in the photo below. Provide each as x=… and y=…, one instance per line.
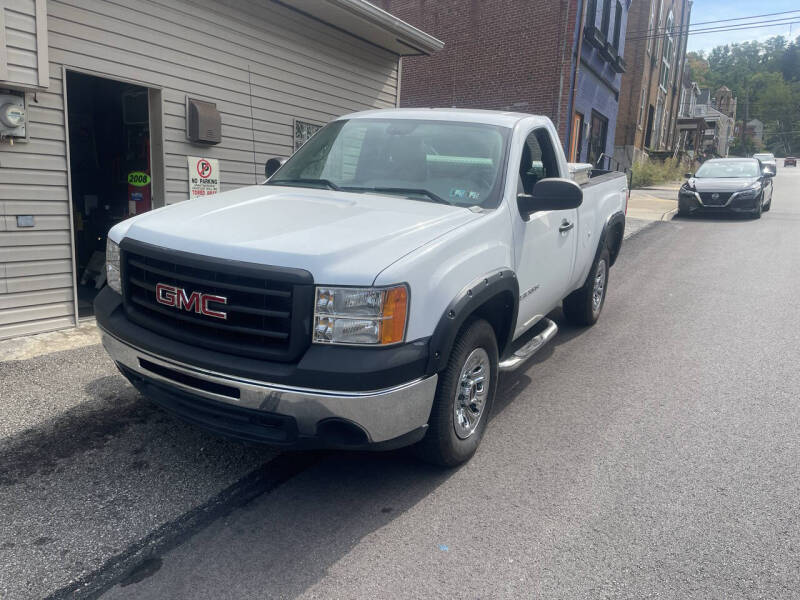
x=384, y=414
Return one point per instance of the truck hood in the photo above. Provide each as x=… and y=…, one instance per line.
x=340, y=237
x=721, y=184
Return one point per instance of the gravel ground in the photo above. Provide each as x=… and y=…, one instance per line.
x=88, y=467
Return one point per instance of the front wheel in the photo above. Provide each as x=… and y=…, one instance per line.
x=756, y=214
x=464, y=398
x=584, y=305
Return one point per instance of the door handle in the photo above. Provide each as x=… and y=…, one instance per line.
x=566, y=226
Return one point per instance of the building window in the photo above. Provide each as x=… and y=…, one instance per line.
x=641, y=109
x=591, y=13
x=598, y=136
x=660, y=30
x=666, y=58
x=651, y=25
x=606, y=17
x=657, y=124
x=617, y=25
x=303, y=132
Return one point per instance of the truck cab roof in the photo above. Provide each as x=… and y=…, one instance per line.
x=464, y=115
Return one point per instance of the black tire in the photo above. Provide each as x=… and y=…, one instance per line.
x=768, y=206
x=580, y=307
x=442, y=444
x=683, y=210
x=756, y=214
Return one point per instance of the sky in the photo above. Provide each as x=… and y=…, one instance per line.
x=713, y=10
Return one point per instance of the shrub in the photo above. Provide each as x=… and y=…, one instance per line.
x=651, y=172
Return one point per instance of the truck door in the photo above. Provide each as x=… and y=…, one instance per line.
x=545, y=242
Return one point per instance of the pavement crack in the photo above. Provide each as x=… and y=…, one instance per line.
x=143, y=558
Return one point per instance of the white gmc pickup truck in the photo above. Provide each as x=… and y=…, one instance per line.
x=370, y=292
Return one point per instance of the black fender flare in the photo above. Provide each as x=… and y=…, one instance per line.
x=616, y=219
x=501, y=284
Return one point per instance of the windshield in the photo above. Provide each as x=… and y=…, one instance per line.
x=763, y=157
x=726, y=169
x=437, y=161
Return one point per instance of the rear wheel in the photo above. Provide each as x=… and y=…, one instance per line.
x=464, y=398
x=583, y=306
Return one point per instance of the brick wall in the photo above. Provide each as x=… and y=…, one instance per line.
x=499, y=54
x=645, y=66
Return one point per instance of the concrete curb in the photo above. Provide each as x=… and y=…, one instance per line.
x=669, y=215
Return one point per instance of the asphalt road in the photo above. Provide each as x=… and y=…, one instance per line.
x=653, y=455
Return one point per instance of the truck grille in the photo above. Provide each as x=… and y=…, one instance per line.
x=708, y=200
x=267, y=313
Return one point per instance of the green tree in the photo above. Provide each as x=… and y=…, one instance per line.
x=765, y=77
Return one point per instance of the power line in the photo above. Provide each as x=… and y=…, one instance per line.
x=724, y=29
x=786, y=12
x=721, y=29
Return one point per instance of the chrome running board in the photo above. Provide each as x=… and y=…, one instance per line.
x=532, y=347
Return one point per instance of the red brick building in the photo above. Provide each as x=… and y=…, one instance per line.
x=505, y=54
x=650, y=103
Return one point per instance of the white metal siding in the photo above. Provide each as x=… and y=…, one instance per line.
x=21, y=31
x=262, y=63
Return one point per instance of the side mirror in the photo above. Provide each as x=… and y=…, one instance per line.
x=688, y=175
x=551, y=194
x=272, y=165
x=768, y=173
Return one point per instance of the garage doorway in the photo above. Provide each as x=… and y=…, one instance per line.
x=111, y=168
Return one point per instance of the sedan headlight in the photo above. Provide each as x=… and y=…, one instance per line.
x=751, y=190
x=375, y=316
x=112, y=266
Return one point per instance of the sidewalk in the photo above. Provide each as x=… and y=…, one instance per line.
x=655, y=203
x=30, y=346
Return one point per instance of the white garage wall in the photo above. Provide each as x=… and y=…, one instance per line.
x=262, y=63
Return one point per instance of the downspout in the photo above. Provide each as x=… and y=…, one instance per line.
x=576, y=58
x=565, y=4
x=399, y=80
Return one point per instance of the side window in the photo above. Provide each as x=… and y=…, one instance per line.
x=538, y=160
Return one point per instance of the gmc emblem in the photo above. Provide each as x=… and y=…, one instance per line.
x=196, y=301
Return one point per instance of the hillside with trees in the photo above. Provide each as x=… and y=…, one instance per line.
x=765, y=77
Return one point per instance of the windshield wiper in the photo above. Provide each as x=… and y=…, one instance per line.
x=327, y=183
x=400, y=190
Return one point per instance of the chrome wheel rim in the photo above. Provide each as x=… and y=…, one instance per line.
x=471, y=393
x=599, y=289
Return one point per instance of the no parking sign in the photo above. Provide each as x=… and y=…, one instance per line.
x=203, y=176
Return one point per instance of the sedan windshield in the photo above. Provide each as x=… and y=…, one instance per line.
x=764, y=157
x=729, y=169
x=434, y=161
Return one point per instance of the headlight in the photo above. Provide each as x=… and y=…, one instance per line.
x=112, y=266
x=751, y=190
x=360, y=315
